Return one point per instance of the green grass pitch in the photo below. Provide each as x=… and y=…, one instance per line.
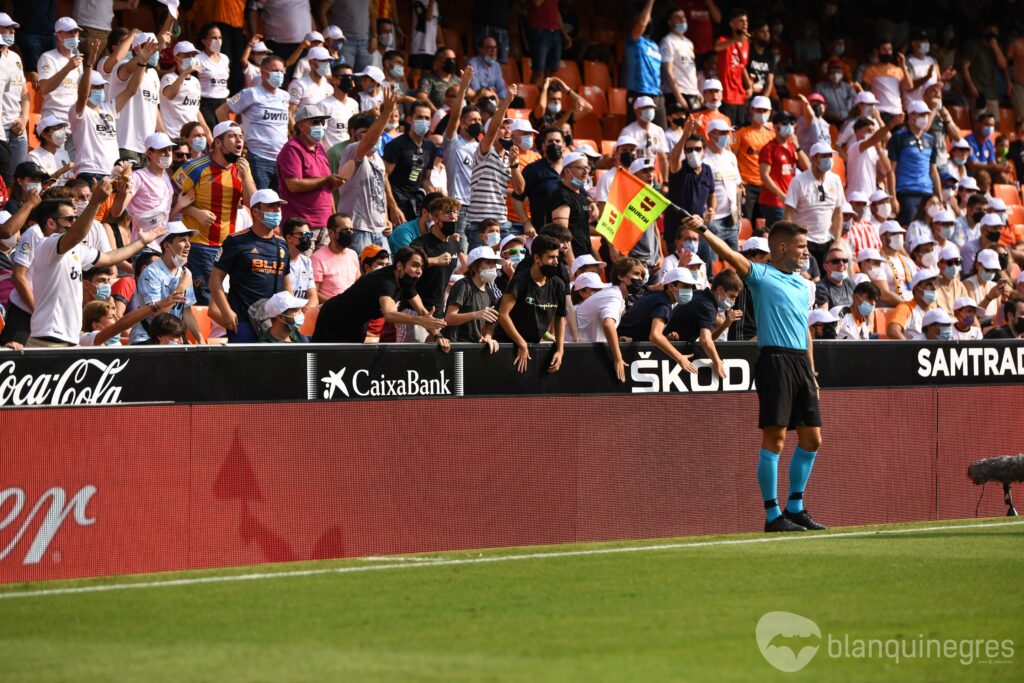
x=667, y=610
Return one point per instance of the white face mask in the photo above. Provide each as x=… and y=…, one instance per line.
x=694, y=159
x=837, y=276
x=930, y=260
x=80, y=205
x=163, y=161
x=710, y=104
x=178, y=260
x=488, y=275
x=33, y=187
x=215, y=45
x=59, y=136
x=895, y=242
x=883, y=211
x=761, y=117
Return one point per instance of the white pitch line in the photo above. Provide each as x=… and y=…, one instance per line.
x=402, y=562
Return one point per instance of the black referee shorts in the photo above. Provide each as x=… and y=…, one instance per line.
x=786, y=390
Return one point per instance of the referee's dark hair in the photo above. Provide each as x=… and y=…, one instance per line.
x=784, y=231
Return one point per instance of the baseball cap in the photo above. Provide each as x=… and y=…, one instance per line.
x=589, y=281
x=372, y=72
x=865, y=97
x=834, y=63
x=943, y=216
x=281, y=302
x=96, y=79
x=996, y=204
x=186, y=47
x=761, y=102
x=937, y=316
x=962, y=144
x=584, y=148
x=176, y=228
x=626, y=140
x=522, y=126
x=819, y=316
x=510, y=238
x=320, y=54
x=968, y=183
x=65, y=24
x=918, y=107
x=755, y=244
x=949, y=252
x=158, y=141
x=582, y=261
x=315, y=37
x=30, y=169
x=172, y=6
x=334, y=33
x=483, y=254
x=868, y=254
x=718, y=125
x=642, y=164
x=222, y=127
x=856, y=197
x=311, y=111
x=259, y=47
x=7, y=22
x=920, y=241
x=712, y=84
x=143, y=38
x=816, y=97
x=890, y=226
x=371, y=251
x=572, y=158
x=684, y=275
x=643, y=102
x=988, y=258
x=48, y=121
x=878, y=196
x=965, y=302
x=821, y=148
x=924, y=275
x=265, y=197
x=847, y=209
x=991, y=220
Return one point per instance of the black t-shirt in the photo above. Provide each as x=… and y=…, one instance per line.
x=745, y=328
x=636, y=323
x=700, y=314
x=579, y=216
x=257, y=268
x=524, y=269
x=1003, y=332
x=343, y=319
x=469, y=298
x=434, y=280
x=536, y=306
x=761, y=64
x=412, y=163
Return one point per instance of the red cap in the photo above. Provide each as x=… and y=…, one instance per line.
x=816, y=97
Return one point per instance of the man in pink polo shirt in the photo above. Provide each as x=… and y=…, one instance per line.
x=304, y=174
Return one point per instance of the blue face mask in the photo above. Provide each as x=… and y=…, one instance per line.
x=722, y=141
x=987, y=131
x=198, y=144
x=577, y=183
x=680, y=28
x=71, y=44
x=421, y=127
x=488, y=60
x=865, y=308
x=516, y=259
x=276, y=78
x=684, y=296
x=493, y=239
x=785, y=130
x=946, y=332
x=323, y=68
x=103, y=292
x=272, y=219
x=317, y=132
x=187, y=63
x=690, y=245
x=825, y=165
x=397, y=71
x=8, y=39
x=96, y=97
x=153, y=59
x=929, y=296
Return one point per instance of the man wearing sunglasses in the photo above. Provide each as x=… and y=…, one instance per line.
x=815, y=200
x=835, y=289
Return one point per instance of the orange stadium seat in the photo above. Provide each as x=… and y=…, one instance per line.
x=596, y=97
x=617, y=101
x=612, y=125
x=523, y=114
x=960, y=117
x=526, y=68
x=588, y=127
x=798, y=84
x=1008, y=193
x=35, y=97
x=530, y=94
x=202, y=315
x=569, y=72
x=608, y=147
x=746, y=230
x=1015, y=215
x=596, y=73
x=510, y=71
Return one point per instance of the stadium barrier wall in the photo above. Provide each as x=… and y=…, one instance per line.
x=119, y=462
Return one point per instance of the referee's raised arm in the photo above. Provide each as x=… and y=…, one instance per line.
x=738, y=261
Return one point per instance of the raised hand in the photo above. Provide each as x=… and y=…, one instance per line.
x=94, y=52
x=148, y=236
x=466, y=77
x=102, y=190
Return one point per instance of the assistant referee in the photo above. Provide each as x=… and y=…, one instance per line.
x=787, y=390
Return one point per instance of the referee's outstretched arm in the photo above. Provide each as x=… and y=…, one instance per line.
x=738, y=261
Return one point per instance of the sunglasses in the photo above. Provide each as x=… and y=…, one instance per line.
x=517, y=250
x=836, y=261
x=822, y=197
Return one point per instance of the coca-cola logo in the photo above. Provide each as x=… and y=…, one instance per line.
x=56, y=513
x=87, y=381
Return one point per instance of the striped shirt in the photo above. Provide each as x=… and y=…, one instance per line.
x=218, y=190
x=863, y=235
x=489, y=186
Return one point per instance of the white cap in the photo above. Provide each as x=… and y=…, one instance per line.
x=991, y=220
x=865, y=97
x=626, y=140
x=483, y=254
x=641, y=164
x=890, y=226
x=965, y=302
x=761, y=102
x=988, y=258
x=48, y=121
x=918, y=107
x=372, y=72
x=7, y=22
x=848, y=209
x=311, y=111
x=334, y=33
x=711, y=84
x=281, y=302
x=920, y=241
x=755, y=244
x=868, y=254
x=172, y=6
x=142, y=39
x=589, y=281
x=924, y=275
x=259, y=46
x=96, y=79
x=858, y=278
x=949, y=252
x=684, y=275
x=996, y=204
x=314, y=37
x=878, y=196
x=185, y=47
x=937, y=316
x=320, y=54
x=968, y=183
x=584, y=148
x=66, y=24
x=821, y=148
x=718, y=125
x=510, y=238
x=643, y=102
x=944, y=216
x=857, y=196
x=174, y=228
x=819, y=316
x=265, y=197
x=570, y=158
x=522, y=126
x=158, y=141
x=585, y=260
x=223, y=127
x=962, y=144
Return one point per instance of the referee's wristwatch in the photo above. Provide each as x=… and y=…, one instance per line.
x=702, y=228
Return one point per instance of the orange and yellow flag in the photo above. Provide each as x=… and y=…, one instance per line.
x=631, y=209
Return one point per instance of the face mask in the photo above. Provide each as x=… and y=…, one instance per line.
x=347, y=84
x=711, y=104
x=690, y=246
x=761, y=117
x=875, y=273
x=883, y=211
x=103, y=292
x=323, y=68
x=1001, y=152
x=726, y=304
x=987, y=131
x=197, y=144
x=805, y=264
x=493, y=239
x=526, y=142
x=178, y=260
x=305, y=241
x=722, y=141
x=473, y=130
x=96, y=97
x=887, y=59
x=945, y=333
x=951, y=272
x=925, y=47
x=449, y=66
x=164, y=162
x=929, y=296
x=992, y=235
x=825, y=165
x=187, y=63
x=930, y=260
x=947, y=194
x=694, y=159
x=680, y=28
x=865, y=309
x=921, y=121
x=987, y=276
x=153, y=60
x=578, y=184
x=516, y=259
x=785, y=130
x=506, y=144
x=80, y=205
x=960, y=162
x=275, y=79
x=297, y=321
x=549, y=270
x=215, y=45
x=553, y=152
x=407, y=283
x=272, y=219
x=847, y=224
x=489, y=275
x=647, y=115
x=554, y=107
x=59, y=136
x=71, y=44
x=568, y=141
x=684, y=296
x=819, y=110
x=8, y=39
x=344, y=238
x=33, y=187
x=397, y=71
x=448, y=228
x=969, y=319
x=837, y=276
x=836, y=77
x=317, y=132
x=896, y=242
x=386, y=40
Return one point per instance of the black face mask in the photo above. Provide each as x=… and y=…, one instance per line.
x=549, y=270
x=992, y=235
x=474, y=130
x=305, y=241
x=449, y=66
x=448, y=228
x=977, y=216
x=635, y=286
x=568, y=140
x=552, y=152
x=344, y=238
x=887, y=59
x=626, y=159
x=346, y=84
x=506, y=144
x=1004, y=261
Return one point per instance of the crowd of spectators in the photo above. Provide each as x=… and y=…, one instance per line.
x=286, y=171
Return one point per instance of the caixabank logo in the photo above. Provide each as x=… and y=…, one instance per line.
x=328, y=383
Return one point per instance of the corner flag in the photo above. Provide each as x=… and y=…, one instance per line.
x=631, y=209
